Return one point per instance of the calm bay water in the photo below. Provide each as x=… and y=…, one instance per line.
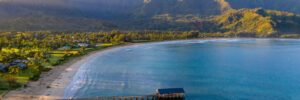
x=226, y=69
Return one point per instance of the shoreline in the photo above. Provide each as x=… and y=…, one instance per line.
x=52, y=84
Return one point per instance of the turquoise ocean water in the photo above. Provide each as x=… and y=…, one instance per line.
x=224, y=69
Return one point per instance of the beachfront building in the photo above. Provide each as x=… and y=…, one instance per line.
x=170, y=93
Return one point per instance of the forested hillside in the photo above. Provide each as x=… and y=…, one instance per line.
x=10, y=9
x=281, y=5
x=183, y=7
x=106, y=9
x=48, y=22
x=173, y=14
x=202, y=15
x=101, y=9
x=253, y=22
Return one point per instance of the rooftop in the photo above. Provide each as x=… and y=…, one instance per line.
x=170, y=91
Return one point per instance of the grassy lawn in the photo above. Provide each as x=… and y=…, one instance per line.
x=78, y=49
x=65, y=52
x=56, y=58
x=22, y=77
x=105, y=44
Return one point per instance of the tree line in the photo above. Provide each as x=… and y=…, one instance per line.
x=34, y=48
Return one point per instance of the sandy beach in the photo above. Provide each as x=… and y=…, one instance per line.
x=52, y=84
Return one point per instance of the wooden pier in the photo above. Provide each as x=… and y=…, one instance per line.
x=161, y=94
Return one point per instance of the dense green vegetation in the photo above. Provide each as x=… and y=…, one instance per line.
x=183, y=7
x=280, y=5
x=243, y=23
x=47, y=22
x=252, y=23
x=207, y=16
x=42, y=50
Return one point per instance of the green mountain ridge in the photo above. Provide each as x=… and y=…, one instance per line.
x=280, y=5
x=225, y=16
x=48, y=22
x=183, y=7
x=254, y=22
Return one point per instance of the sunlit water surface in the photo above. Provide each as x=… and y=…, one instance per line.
x=234, y=69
